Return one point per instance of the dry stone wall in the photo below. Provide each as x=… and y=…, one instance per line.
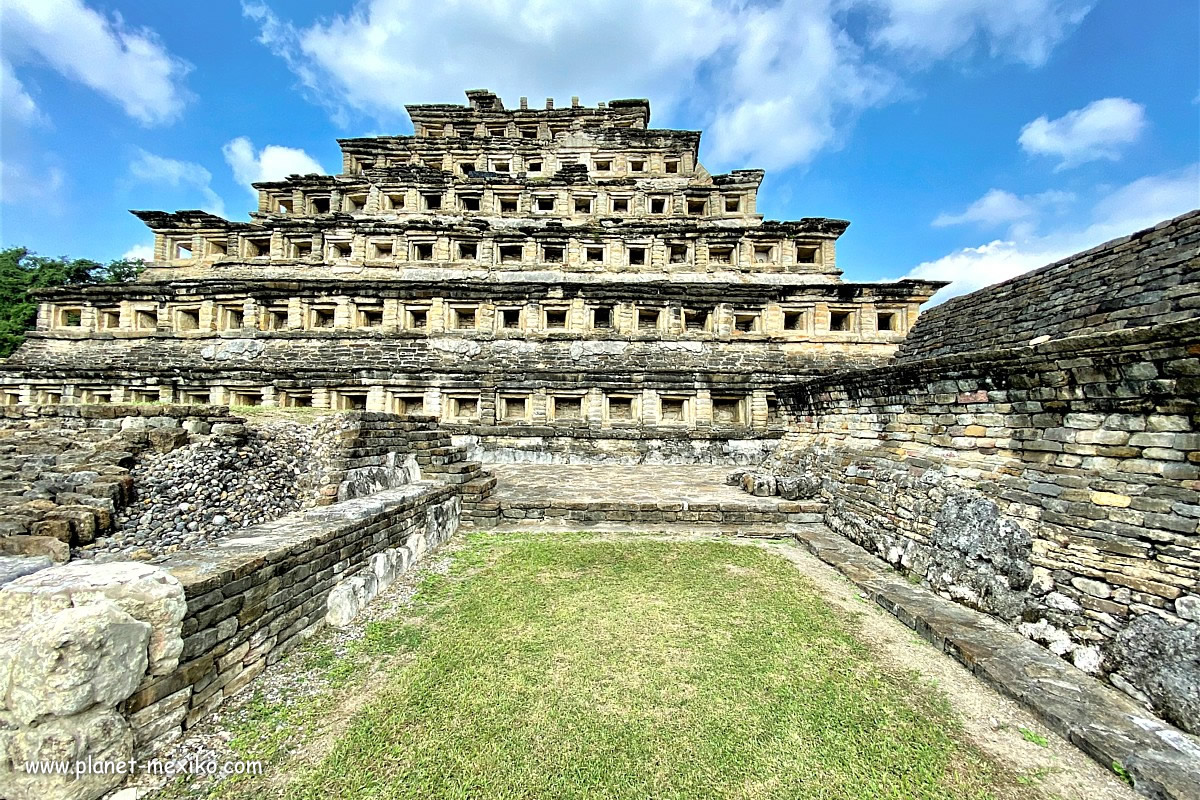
x=1034, y=453
x=259, y=593
x=112, y=660
x=1147, y=278
x=1055, y=487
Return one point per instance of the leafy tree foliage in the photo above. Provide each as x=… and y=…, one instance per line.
x=22, y=271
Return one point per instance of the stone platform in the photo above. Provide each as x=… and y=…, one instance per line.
x=592, y=496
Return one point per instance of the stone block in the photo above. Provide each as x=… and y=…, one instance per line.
x=164, y=440
x=99, y=734
x=49, y=546
x=75, y=659
x=146, y=592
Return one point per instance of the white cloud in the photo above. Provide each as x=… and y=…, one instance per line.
x=1018, y=30
x=149, y=168
x=272, y=163
x=129, y=66
x=21, y=186
x=1092, y=133
x=774, y=83
x=142, y=251
x=999, y=207
x=15, y=102
x=1132, y=207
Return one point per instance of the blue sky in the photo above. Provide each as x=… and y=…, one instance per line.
x=965, y=139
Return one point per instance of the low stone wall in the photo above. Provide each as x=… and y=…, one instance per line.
x=725, y=514
x=1054, y=487
x=658, y=445
x=257, y=595
x=1149, y=277
x=131, y=678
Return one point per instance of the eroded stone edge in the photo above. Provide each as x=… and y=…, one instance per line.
x=1162, y=761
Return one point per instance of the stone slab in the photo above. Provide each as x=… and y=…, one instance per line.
x=1163, y=761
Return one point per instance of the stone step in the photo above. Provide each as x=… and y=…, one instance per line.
x=784, y=531
x=796, y=512
x=455, y=468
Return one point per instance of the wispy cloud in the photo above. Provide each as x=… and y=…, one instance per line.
x=1016, y=30
x=774, y=84
x=1123, y=210
x=1095, y=132
x=43, y=187
x=153, y=169
x=15, y=103
x=999, y=207
x=130, y=67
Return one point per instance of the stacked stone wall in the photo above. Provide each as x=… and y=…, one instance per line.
x=1055, y=487
x=64, y=470
x=1147, y=278
x=259, y=594
x=187, y=634
x=365, y=452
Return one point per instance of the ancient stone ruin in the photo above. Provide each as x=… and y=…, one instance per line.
x=562, y=285
x=557, y=319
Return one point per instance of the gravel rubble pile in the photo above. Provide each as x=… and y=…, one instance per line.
x=192, y=496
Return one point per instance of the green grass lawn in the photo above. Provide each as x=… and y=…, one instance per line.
x=574, y=667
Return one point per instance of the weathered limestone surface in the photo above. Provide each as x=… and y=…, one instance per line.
x=1052, y=485
x=76, y=641
x=144, y=591
x=1163, y=762
x=100, y=734
x=75, y=659
x=596, y=494
x=525, y=276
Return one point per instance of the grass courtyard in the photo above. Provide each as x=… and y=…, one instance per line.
x=578, y=667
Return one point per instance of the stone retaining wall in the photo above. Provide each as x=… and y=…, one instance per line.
x=182, y=637
x=64, y=470
x=255, y=596
x=1055, y=487
x=1149, y=277
x=779, y=512
x=160, y=661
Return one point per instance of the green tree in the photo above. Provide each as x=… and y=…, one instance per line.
x=22, y=271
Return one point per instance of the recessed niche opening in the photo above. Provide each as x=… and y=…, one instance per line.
x=510, y=318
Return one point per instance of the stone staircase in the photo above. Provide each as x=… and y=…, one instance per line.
x=439, y=458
